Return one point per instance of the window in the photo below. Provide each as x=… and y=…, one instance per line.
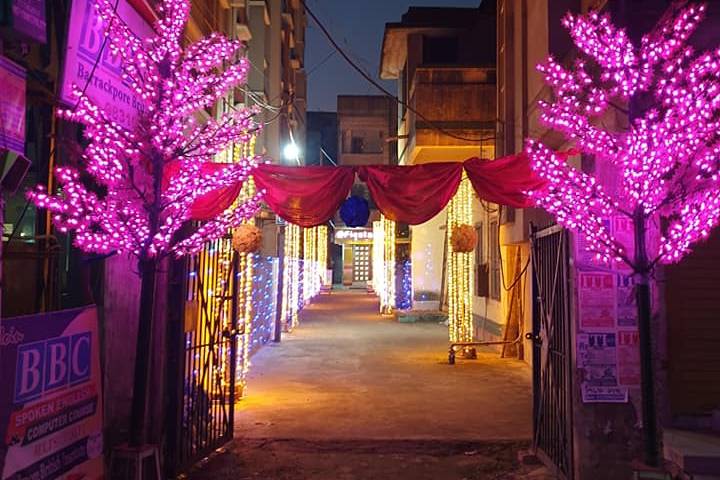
x=494, y=253
x=559, y=41
x=440, y=50
x=363, y=141
x=481, y=266
x=357, y=145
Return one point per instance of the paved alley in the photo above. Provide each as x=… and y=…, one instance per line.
x=352, y=395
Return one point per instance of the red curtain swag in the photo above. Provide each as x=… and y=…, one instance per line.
x=212, y=204
x=412, y=194
x=504, y=180
x=305, y=196
x=310, y=196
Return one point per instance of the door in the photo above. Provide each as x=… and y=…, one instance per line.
x=552, y=367
x=361, y=264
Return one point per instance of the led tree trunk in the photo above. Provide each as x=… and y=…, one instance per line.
x=665, y=163
x=136, y=185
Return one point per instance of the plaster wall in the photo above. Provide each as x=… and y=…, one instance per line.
x=427, y=249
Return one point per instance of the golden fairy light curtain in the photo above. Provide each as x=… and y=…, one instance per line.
x=459, y=268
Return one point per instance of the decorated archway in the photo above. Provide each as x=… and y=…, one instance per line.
x=308, y=197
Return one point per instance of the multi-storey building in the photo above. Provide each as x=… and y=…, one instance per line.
x=275, y=34
x=444, y=62
x=367, y=125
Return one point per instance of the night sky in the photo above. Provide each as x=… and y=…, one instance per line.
x=358, y=27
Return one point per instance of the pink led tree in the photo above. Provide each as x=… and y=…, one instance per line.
x=138, y=184
x=666, y=160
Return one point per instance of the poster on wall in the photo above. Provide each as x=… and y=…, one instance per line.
x=51, y=398
x=12, y=106
x=597, y=300
x=628, y=358
x=623, y=231
x=84, y=43
x=626, y=310
x=597, y=359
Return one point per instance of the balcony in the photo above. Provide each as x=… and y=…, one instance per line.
x=459, y=100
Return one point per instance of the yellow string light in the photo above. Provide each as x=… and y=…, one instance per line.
x=387, y=301
x=322, y=245
x=459, y=268
x=244, y=293
x=291, y=276
x=378, y=280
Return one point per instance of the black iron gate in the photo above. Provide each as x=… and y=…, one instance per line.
x=552, y=367
x=202, y=395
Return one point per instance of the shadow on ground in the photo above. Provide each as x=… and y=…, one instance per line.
x=287, y=459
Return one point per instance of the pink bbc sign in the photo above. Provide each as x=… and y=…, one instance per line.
x=105, y=86
x=12, y=106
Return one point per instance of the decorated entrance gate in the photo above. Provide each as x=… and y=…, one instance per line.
x=552, y=382
x=204, y=366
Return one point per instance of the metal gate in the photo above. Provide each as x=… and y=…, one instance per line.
x=552, y=368
x=206, y=361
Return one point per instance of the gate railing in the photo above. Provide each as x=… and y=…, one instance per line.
x=552, y=336
x=200, y=417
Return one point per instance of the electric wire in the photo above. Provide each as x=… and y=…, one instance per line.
x=382, y=89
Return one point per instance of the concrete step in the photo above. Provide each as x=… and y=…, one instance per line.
x=415, y=316
x=696, y=453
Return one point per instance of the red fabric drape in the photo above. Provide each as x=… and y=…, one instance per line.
x=412, y=194
x=310, y=196
x=504, y=180
x=212, y=203
x=305, y=196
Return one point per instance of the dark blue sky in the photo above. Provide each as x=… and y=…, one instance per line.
x=358, y=27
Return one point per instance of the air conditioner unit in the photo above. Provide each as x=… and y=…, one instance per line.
x=13, y=168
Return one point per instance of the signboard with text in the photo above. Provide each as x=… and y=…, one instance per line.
x=12, y=106
x=85, y=43
x=28, y=19
x=51, y=398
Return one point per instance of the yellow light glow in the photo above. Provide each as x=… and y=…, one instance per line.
x=244, y=293
x=387, y=300
x=291, y=276
x=459, y=268
x=378, y=279
x=322, y=256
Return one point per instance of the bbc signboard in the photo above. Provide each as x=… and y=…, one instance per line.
x=51, y=397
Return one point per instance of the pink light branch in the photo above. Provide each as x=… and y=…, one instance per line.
x=668, y=157
x=135, y=187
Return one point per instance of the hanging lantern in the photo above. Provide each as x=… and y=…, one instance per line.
x=463, y=238
x=246, y=238
x=355, y=211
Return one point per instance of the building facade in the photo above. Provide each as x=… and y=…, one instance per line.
x=366, y=126
x=444, y=60
x=275, y=34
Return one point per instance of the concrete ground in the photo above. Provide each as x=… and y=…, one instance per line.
x=352, y=395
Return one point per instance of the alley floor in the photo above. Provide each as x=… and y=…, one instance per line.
x=350, y=395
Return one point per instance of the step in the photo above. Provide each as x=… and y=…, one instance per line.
x=424, y=316
x=696, y=453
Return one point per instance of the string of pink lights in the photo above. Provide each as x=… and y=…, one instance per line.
x=126, y=207
x=667, y=160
